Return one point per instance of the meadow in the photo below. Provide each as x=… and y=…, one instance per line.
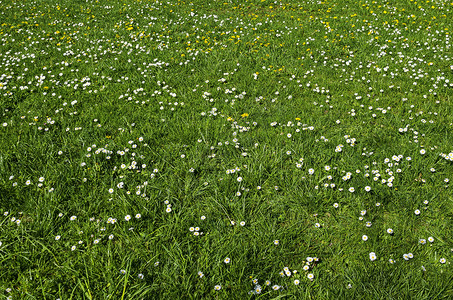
x=229, y=149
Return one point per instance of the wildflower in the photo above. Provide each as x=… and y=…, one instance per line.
x=442, y=260
x=422, y=241
x=423, y=151
x=431, y=239
x=111, y=237
x=57, y=237
x=203, y=217
x=373, y=256
x=73, y=218
x=217, y=287
x=390, y=231
x=96, y=241
x=317, y=225
x=242, y=223
x=267, y=282
x=123, y=272
x=391, y=261
x=227, y=260
x=351, y=189
x=127, y=218
x=73, y=248
x=276, y=242
x=335, y=205
x=367, y=188
x=310, y=276
x=417, y=212
x=168, y=210
x=258, y=289
x=138, y=216
x=275, y=287
x=200, y=274
x=296, y=282
x=140, y=276
x=364, y=237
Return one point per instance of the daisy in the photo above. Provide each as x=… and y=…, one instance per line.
x=373, y=256
x=217, y=287
x=227, y=260
x=310, y=276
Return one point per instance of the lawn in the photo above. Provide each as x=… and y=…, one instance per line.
x=226, y=149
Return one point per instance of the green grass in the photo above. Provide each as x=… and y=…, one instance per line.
x=142, y=143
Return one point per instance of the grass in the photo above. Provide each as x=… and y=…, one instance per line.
x=226, y=150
